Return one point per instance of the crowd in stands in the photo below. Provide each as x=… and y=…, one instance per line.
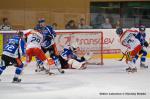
x=71, y=24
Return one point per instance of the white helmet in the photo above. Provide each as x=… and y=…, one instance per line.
x=75, y=45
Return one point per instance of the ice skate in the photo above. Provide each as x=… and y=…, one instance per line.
x=129, y=69
x=39, y=68
x=134, y=70
x=142, y=65
x=49, y=73
x=61, y=70
x=16, y=80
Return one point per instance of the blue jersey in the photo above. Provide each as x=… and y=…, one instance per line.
x=141, y=37
x=15, y=47
x=68, y=53
x=48, y=34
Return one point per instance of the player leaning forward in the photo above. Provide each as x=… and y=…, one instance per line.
x=33, y=48
x=141, y=37
x=12, y=52
x=48, y=45
x=132, y=44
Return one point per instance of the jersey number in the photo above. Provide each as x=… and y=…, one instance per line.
x=34, y=39
x=10, y=48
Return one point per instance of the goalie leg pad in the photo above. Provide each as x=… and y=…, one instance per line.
x=75, y=64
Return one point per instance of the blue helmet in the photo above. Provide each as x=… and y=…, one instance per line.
x=142, y=28
x=119, y=31
x=41, y=20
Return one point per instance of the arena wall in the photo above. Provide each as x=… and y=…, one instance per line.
x=111, y=45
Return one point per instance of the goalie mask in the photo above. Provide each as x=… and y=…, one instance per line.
x=119, y=31
x=74, y=46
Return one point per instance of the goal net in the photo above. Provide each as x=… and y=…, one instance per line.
x=89, y=41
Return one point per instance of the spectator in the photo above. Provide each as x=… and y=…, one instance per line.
x=5, y=25
x=54, y=25
x=82, y=24
x=118, y=24
x=106, y=24
x=71, y=25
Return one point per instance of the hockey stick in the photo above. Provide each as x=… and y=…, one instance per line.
x=124, y=54
x=122, y=57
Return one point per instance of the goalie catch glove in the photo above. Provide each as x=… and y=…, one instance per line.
x=88, y=56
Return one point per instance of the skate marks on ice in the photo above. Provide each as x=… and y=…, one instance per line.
x=38, y=83
x=111, y=76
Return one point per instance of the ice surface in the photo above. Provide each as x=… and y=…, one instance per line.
x=96, y=82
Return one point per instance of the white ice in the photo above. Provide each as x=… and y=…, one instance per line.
x=95, y=82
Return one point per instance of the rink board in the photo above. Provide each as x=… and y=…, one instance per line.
x=111, y=45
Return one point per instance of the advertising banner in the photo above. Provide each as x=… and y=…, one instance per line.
x=111, y=44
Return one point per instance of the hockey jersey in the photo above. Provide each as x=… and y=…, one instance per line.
x=129, y=40
x=34, y=39
x=15, y=47
x=68, y=53
x=141, y=37
x=48, y=34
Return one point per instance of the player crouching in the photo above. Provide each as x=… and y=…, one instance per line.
x=69, y=58
x=128, y=40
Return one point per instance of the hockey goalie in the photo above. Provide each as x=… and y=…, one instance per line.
x=70, y=59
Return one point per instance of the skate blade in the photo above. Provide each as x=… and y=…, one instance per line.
x=61, y=71
x=51, y=74
x=131, y=72
x=16, y=82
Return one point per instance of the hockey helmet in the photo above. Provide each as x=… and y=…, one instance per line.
x=142, y=28
x=74, y=46
x=119, y=31
x=20, y=33
x=41, y=20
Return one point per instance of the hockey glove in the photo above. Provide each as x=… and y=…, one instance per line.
x=146, y=44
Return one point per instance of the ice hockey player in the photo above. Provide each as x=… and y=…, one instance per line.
x=48, y=44
x=132, y=44
x=141, y=37
x=33, y=48
x=13, y=50
x=70, y=59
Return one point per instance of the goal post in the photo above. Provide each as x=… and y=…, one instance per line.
x=89, y=41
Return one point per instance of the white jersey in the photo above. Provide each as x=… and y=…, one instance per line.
x=34, y=40
x=128, y=39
